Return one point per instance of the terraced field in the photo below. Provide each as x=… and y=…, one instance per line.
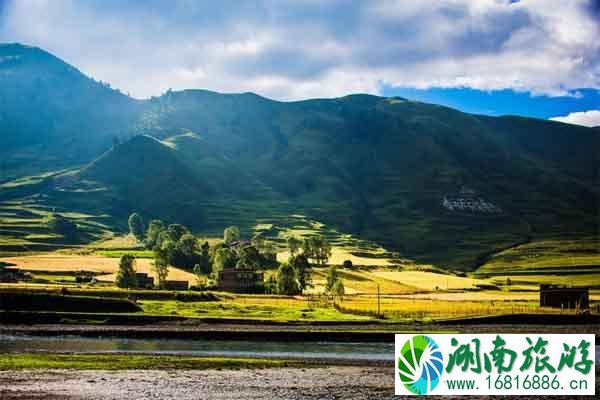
x=22, y=226
x=574, y=262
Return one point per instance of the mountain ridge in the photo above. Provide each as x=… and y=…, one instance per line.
x=370, y=165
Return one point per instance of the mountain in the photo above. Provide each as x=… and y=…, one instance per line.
x=374, y=166
x=380, y=167
x=54, y=111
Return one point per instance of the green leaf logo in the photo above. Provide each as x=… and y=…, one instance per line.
x=420, y=364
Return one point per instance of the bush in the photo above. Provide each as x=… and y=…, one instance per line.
x=287, y=280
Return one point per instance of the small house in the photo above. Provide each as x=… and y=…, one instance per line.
x=144, y=281
x=12, y=275
x=577, y=298
x=241, y=280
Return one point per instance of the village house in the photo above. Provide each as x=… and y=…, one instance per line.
x=241, y=280
x=576, y=298
x=12, y=275
x=144, y=281
x=467, y=200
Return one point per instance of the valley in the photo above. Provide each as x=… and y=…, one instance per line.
x=428, y=213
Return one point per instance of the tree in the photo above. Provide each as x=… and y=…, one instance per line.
x=205, y=249
x=155, y=227
x=63, y=226
x=249, y=257
x=322, y=249
x=161, y=268
x=231, y=234
x=294, y=245
x=126, y=276
x=302, y=266
x=176, y=231
x=258, y=241
x=338, y=289
x=332, y=277
x=204, y=259
x=271, y=285
x=136, y=226
x=317, y=248
x=199, y=273
x=223, y=258
x=287, y=280
x=188, y=245
x=347, y=264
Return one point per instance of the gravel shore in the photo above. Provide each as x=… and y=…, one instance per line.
x=272, y=383
x=240, y=384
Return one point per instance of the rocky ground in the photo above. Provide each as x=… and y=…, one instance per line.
x=273, y=383
x=240, y=384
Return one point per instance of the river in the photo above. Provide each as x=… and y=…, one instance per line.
x=206, y=348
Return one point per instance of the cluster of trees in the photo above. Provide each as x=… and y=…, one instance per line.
x=176, y=245
x=294, y=276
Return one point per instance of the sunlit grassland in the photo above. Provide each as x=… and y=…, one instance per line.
x=344, y=245
x=424, y=280
x=424, y=309
x=532, y=282
x=543, y=254
x=250, y=307
x=105, y=267
x=360, y=282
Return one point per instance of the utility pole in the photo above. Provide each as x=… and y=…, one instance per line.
x=378, y=302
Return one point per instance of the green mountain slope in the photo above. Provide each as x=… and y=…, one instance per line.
x=51, y=114
x=381, y=167
x=373, y=166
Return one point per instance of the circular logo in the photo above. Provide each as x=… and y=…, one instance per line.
x=420, y=364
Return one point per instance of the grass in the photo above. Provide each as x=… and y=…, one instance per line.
x=120, y=253
x=544, y=254
x=128, y=362
x=250, y=307
x=424, y=280
x=431, y=309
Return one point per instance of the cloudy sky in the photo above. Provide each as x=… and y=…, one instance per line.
x=529, y=57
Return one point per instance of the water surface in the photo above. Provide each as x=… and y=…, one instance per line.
x=207, y=348
x=214, y=348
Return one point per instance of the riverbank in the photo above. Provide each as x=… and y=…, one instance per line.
x=272, y=383
x=343, y=332
x=298, y=383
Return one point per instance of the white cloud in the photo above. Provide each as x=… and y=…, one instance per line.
x=585, y=118
x=289, y=49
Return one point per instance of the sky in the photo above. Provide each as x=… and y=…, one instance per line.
x=538, y=58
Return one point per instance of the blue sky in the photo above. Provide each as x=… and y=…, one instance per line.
x=503, y=102
x=537, y=58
